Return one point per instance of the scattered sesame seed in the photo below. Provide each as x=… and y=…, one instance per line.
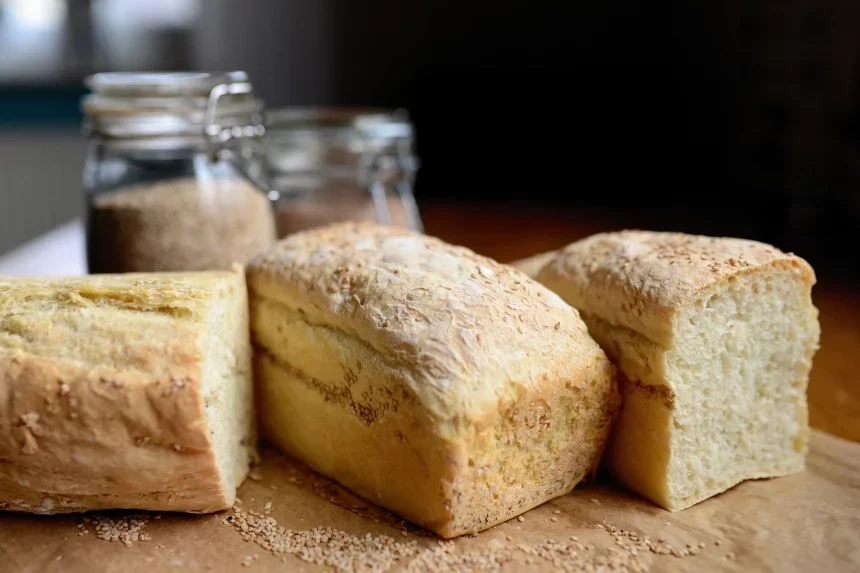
x=553, y=519
x=557, y=511
x=347, y=553
x=127, y=530
x=717, y=542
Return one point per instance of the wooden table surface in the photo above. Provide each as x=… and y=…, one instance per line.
x=509, y=233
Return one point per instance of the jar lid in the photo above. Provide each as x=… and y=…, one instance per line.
x=334, y=140
x=167, y=104
x=339, y=123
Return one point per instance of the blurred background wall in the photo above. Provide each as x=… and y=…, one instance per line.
x=727, y=117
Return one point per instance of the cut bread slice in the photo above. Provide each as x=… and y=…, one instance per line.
x=715, y=338
x=125, y=391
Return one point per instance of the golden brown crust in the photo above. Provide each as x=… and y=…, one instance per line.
x=464, y=392
x=441, y=311
x=101, y=401
x=638, y=279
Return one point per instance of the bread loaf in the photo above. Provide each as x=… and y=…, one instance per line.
x=715, y=338
x=432, y=381
x=533, y=265
x=125, y=391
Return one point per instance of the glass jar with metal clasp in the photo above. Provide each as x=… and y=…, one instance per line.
x=171, y=176
x=328, y=165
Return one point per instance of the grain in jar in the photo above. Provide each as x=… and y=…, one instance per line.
x=179, y=225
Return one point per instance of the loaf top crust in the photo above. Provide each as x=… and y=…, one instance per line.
x=126, y=322
x=462, y=330
x=638, y=279
x=188, y=293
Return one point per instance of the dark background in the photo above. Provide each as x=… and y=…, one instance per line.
x=732, y=117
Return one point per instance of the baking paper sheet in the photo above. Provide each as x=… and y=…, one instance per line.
x=805, y=522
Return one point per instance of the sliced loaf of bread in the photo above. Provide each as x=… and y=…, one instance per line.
x=715, y=337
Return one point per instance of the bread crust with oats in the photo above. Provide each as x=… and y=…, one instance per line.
x=430, y=380
x=715, y=337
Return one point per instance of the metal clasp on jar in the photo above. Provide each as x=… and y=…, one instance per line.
x=378, y=171
x=249, y=163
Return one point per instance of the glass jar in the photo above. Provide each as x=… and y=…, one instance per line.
x=327, y=165
x=171, y=176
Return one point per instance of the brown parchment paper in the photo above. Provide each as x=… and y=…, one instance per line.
x=806, y=522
